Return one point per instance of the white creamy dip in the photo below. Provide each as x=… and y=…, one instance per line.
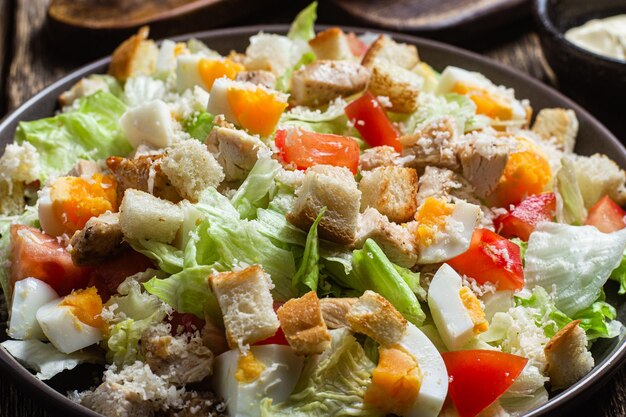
x=602, y=36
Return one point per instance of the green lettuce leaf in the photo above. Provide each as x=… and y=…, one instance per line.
x=167, y=257
x=198, y=125
x=254, y=191
x=431, y=107
x=574, y=260
x=307, y=276
x=598, y=320
x=619, y=275
x=90, y=131
x=332, y=119
x=332, y=384
x=302, y=27
x=570, y=204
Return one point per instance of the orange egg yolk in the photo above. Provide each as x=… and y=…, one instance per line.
x=487, y=103
x=256, y=110
x=86, y=306
x=249, y=368
x=472, y=305
x=431, y=218
x=212, y=69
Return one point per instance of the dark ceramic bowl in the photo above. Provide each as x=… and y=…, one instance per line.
x=584, y=75
x=593, y=137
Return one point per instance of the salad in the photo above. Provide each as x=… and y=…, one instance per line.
x=324, y=225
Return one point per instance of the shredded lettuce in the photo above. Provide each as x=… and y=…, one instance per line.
x=90, y=130
x=302, y=27
x=570, y=204
x=330, y=120
x=332, y=384
x=574, y=262
x=255, y=190
x=46, y=359
x=307, y=276
x=198, y=125
x=432, y=107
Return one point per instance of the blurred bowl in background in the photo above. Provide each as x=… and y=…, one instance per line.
x=594, y=80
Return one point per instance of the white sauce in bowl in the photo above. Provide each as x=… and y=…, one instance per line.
x=605, y=37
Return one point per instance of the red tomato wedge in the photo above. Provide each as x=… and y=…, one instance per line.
x=109, y=275
x=371, y=121
x=479, y=377
x=35, y=254
x=306, y=149
x=521, y=221
x=606, y=216
x=491, y=258
x=278, y=339
x=357, y=46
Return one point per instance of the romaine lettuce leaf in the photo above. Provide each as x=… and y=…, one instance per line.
x=332, y=384
x=619, y=275
x=331, y=120
x=46, y=359
x=431, y=107
x=90, y=130
x=167, y=257
x=198, y=125
x=570, y=204
x=575, y=261
x=255, y=190
x=307, y=276
x=302, y=27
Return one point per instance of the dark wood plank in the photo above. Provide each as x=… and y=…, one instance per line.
x=5, y=11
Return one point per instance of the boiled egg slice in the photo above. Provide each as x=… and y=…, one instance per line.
x=192, y=70
x=73, y=322
x=255, y=108
x=150, y=123
x=267, y=371
x=444, y=230
x=456, y=311
x=28, y=296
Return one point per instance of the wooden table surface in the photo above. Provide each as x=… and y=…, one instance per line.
x=28, y=64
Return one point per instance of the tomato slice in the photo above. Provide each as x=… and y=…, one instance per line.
x=371, y=121
x=306, y=149
x=521, y=221
x=35, y=254
x=491, y=258
x=479, y=377
x=108, y=276
x=357, y=46
x=606, y=216
x=278, y=339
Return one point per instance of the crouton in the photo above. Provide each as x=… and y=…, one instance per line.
x=567, y=356
x=400, y=85
x=483, y=160
x=386, y=49
x=334, y=188
x=331, y=44
x=558, y=125
x=135, y=56
x=180, y=359
x=247, y=305
x=433, y=144
x=258, y=77
x=235, y=150
x=395, y=241
x=378, y=156
x=438, y=183
x=320, y=82
x=99, y=240
x=142, y=173
x=303, y=325
x=334, y=311
x=144, y=216
x=191, y=168
x=391, y=190
x=598, y=175
x=85, y=87
x=377, y=318
x=150, y=123
x=269, y=52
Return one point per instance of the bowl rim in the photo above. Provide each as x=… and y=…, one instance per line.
x=586, y=386
x=543, y=17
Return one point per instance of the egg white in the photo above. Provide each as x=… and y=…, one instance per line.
x=28, y=296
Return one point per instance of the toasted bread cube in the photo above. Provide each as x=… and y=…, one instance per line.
x=331, y=44
x=334, y=188
x=247, y=305
x=377, y=318
x=598, y=175
x=386, y=49
x=560, y=125
x=322, y=81
x=303, y=325
x=395, y=241
x=135, y=56
x=235, y=150
x=144, y=216
x=567, y=356
x=400, y=85
x=191, y=168
x=483, y=160
x=149, y=123
x=391, y=190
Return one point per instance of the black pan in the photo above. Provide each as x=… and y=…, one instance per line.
x=592, y=138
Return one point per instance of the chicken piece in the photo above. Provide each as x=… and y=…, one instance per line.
x=258, y=77
x=334, y=311
x=322, y=81
x=115, y=400
x=482, y=161
x=433, y=144
x=179, y=360
x=378, y=156
x=199, y=404
x=567, y=356
x=235, y=150
x=142, y=173
x=213, y=337
x=436, y=182
x=84, y=168
x=395, y=241
x=99, y=240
